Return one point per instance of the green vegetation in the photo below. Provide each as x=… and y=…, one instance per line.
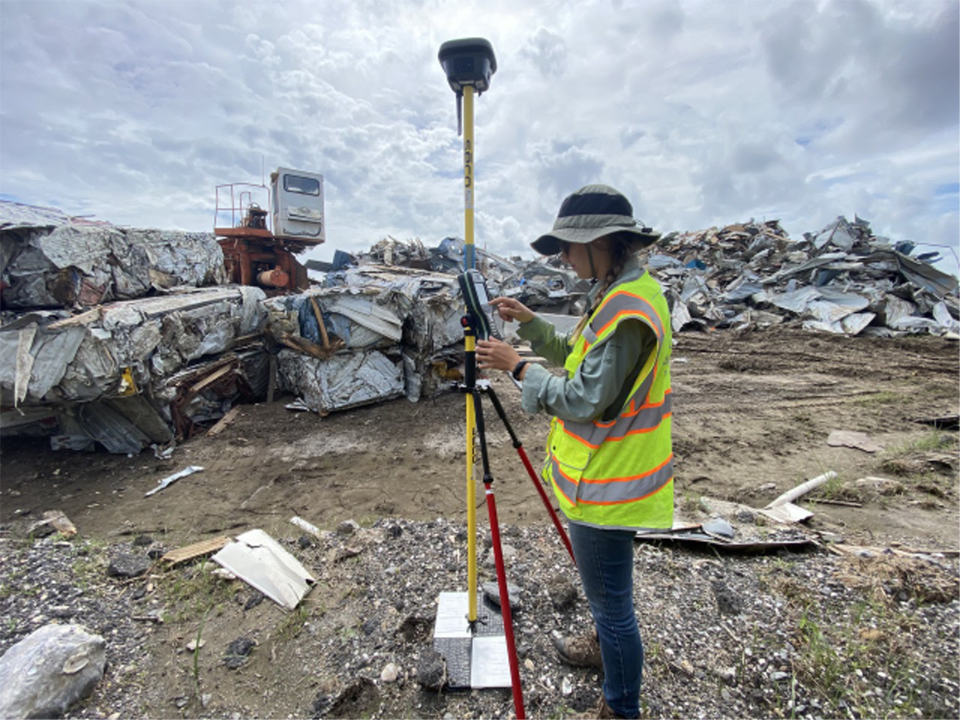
x=933, y=441
x=89, y=568
x=196, y=657
x=194, y=592
x=927, y=463
x=862, y=667
x=691, y=501
x=833, y=489
x=292, y=624
x=880, y=398
x=820, y=664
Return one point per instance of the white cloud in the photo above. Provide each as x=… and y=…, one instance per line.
x=703, y=112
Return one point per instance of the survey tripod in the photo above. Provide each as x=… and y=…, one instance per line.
x=469, y=65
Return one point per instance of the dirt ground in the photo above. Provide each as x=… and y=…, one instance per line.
x=751, y=420
x=752, y=414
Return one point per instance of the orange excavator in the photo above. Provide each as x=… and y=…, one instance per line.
x=260, y=245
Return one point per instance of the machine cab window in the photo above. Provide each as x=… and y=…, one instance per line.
x=302, y=185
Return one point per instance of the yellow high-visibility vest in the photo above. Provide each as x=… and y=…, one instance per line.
x=619, y=473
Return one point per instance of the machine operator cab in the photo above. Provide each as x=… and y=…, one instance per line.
x=297, y=205
x=259, y=244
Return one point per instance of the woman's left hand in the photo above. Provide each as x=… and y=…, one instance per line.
x=495, y=354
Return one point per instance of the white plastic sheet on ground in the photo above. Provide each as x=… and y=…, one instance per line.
x=260, y=561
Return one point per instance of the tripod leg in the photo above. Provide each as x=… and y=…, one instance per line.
x=530, y=471
x=501, y=570
x=505, y=604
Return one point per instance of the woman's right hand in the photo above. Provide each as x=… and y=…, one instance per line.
x=510, y=309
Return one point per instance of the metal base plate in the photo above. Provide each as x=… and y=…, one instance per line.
x=476, y=657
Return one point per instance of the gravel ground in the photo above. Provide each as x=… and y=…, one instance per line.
x=815, y=634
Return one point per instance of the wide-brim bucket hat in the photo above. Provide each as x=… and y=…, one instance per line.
x=593, y=212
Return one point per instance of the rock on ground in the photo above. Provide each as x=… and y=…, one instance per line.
x=50, y=670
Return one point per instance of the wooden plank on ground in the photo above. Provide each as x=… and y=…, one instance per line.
x=204, y=547
x=224, y=421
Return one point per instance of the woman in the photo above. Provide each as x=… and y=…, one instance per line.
x=609, y=452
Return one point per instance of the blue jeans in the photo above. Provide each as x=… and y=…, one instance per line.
x=605, y=562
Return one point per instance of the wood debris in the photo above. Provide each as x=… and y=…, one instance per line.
x=189, y=552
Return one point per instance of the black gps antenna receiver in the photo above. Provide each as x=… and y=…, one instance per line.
x=469, y=61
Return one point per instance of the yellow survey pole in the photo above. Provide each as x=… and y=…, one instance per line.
x=469, y=347
x=469, y=63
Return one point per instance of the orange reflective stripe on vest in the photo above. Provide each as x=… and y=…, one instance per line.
x=612, y=491
x=617, y=307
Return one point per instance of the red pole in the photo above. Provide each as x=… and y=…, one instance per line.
x=505, y=603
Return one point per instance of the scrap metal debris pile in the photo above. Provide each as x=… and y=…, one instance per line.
x=544, y=285
x=131, y=338
x=842, y=279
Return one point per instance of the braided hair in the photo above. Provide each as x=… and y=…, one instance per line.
x=621, y=249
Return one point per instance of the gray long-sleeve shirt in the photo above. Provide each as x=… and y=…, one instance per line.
x=604, y=379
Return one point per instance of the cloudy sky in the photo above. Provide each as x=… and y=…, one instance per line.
x=704, y=112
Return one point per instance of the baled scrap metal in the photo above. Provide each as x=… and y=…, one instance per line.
x=361, y=320
x=122, y=425
x=409, y=314
x=163, y=334
x=430, y=307
x=34, y=362
x=17, y=216
x=542, y=284
x=102, y=423
x=379, y=321
x=342, y=381
x=427, y=303
x=355, y=318
x=78, y=264
x=105, y=355
x=433, y=341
